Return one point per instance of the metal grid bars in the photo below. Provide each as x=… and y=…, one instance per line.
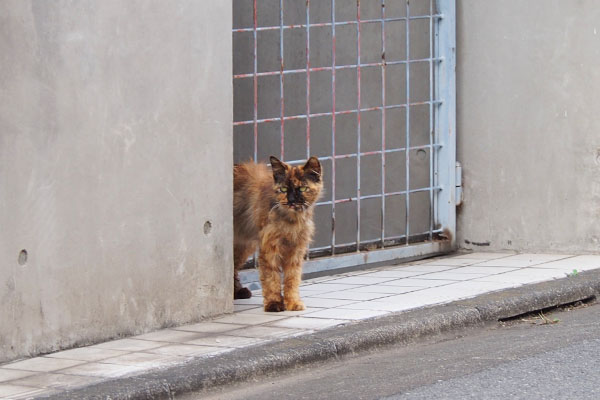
x=366, y=86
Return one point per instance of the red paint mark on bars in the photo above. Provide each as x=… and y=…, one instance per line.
x=255, y=81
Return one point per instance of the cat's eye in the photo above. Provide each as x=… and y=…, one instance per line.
x=283, y=189
x=303, y=188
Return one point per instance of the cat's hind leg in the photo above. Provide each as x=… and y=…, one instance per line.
x=241, y=252
x=239, y=291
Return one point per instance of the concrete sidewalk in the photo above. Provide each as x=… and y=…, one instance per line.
x=345, y=313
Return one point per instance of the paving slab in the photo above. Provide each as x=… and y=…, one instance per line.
x=345, y=313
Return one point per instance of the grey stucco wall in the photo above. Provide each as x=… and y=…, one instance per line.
x=115, y=149
x=528, y=124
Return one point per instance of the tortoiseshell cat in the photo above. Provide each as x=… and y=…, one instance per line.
x=273, y=210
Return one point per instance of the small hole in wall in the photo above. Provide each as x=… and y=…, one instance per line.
x=23, y=257
x=421, y=154
x=207, y=227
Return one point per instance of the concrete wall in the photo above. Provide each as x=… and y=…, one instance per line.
x=115, y=151
x=528, y=124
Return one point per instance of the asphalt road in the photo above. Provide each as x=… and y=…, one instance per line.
x=530, y=359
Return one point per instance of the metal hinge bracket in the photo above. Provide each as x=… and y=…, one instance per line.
x=458, y=180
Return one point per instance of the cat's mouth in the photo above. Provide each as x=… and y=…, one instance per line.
x=295, y=207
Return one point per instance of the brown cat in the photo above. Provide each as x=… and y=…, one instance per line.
x=273, y=210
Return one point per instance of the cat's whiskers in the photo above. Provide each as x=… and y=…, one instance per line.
x=276, y=205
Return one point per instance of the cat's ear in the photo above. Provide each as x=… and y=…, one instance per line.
x=279, y=169
x=312, y=169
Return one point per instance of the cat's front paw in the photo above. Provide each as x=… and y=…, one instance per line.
x=295, y=306
x=274, y=306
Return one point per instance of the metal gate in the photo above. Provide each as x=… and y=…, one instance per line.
x=368, y=86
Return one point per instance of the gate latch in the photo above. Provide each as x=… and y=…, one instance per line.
x=458, y=180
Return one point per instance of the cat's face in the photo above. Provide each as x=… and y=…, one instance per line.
x=296, y=188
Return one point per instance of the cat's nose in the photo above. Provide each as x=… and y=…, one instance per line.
x=291, y=197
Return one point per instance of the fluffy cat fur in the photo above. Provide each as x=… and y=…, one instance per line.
x=273, y=211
